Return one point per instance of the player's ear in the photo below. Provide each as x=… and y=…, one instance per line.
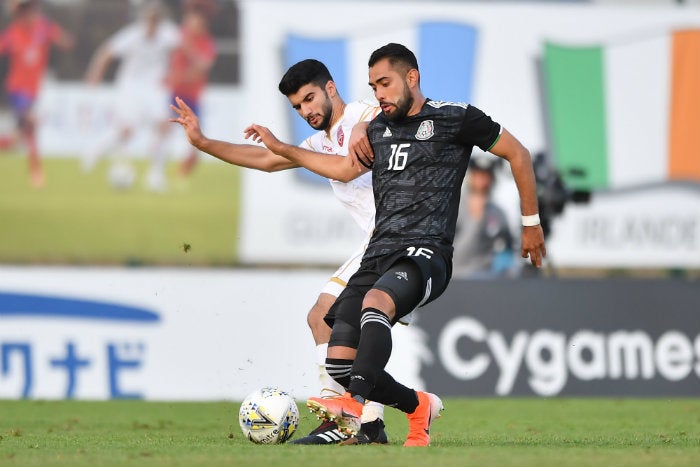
x=412, y=77
x=331, y=90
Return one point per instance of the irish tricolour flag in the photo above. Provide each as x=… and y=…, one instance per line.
x=625, y=113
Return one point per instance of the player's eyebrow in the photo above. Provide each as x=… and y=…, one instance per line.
x=378, y=80
x=306, y=97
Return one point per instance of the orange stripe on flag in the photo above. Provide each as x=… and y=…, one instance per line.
x=684, y=138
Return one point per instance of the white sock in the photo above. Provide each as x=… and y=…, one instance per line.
x=328, y=384
x=372, y=411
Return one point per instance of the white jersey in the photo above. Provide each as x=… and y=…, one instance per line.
x=142, y=97
x=356, y=195
x=144, y=60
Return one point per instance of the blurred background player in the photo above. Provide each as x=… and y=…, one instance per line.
x=483, y=244
x=312, y=93
x=143, y=48
x=191, y=62
x=27, y=41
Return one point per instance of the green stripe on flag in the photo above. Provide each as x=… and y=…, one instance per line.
x=576, y=106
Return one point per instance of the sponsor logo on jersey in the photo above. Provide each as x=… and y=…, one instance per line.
x=402, y=275
x=426, y=130
x=387, y=133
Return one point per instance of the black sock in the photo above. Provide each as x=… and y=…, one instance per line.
x=373, y=351
x=393, y=394
x=339, y=370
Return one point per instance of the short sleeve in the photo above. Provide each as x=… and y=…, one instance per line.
x=478, y=129
x=369, y=112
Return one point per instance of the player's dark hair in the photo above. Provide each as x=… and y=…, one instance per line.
x=396, y=53
x=305, y=72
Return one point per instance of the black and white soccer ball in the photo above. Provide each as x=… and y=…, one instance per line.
x=268, y=416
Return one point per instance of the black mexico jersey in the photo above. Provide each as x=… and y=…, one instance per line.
x=418, y=170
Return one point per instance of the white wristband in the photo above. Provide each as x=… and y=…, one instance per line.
x=529, y=221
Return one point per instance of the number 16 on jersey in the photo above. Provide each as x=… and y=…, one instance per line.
x=399, y=156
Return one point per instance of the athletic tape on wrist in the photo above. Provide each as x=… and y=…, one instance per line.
x=532, y=220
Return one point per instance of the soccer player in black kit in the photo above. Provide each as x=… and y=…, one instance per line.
x=420, y=150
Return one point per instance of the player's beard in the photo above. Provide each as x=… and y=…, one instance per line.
x=326, y=114
x=403, y=105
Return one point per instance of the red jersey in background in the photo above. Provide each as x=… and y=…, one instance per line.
x=28, y=44
x=185, y=79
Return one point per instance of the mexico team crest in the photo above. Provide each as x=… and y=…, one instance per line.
x=425, y=130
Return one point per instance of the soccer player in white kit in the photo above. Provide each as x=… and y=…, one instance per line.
x=143, y=49
x=310, y=89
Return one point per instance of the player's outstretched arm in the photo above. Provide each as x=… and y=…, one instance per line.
x=509, y=148
x=98, y=65
x=327, y=165
x=242, y=155
x=359, y=147
x=63, y=39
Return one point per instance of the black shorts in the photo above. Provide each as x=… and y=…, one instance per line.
x=412, y=278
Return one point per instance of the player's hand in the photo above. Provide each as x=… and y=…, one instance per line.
x=188, y=120
x=359, y=148
x=533, y=245
x=261, y=134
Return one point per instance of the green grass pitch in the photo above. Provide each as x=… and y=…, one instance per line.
x=472, y=432
x=77, y=218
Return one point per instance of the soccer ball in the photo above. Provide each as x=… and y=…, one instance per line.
x=121, y=175
x=268, y=416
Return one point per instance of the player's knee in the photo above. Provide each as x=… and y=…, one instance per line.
x=320, y=330
x=380, y=300
x=317, y=313
x=315, y=316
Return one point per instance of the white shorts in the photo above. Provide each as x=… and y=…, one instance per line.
x=141, y=106
x=340, y=277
